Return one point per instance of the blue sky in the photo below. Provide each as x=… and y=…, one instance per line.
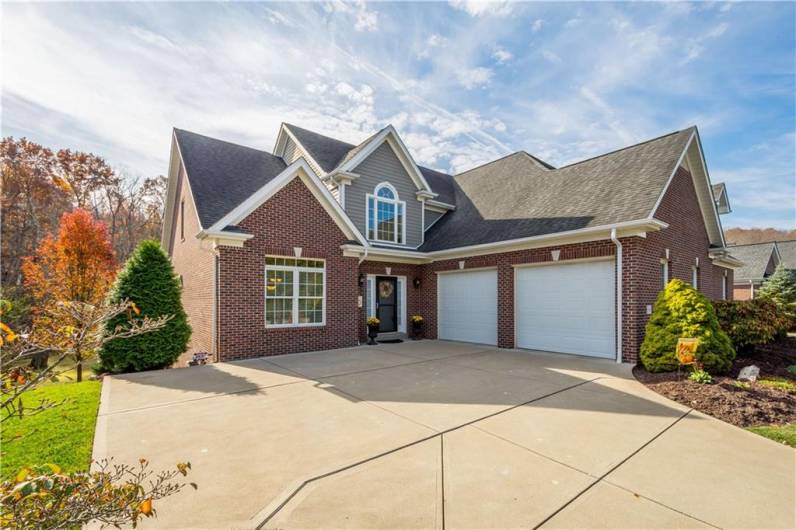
x=463, y=82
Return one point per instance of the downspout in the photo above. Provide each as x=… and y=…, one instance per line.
x=364, y=256
x=618, y=295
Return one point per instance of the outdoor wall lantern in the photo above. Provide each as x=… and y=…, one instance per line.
x=416, y=283
x=361, y=279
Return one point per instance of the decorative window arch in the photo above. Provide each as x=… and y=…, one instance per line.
x=386, y=215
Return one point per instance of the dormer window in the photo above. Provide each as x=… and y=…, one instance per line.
x=385, y=215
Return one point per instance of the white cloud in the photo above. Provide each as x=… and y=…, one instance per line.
x=364, y=19
x=471, y=78
x=502, y=55
x=433, y=42
x=275, y=17
x=482, y=8
x=572, y=22
x=537, y=25
x=696, y=46
x=551, y=57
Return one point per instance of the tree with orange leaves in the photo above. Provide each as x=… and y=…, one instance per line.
x=77, y=266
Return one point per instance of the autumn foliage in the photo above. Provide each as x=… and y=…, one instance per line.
x=76, y=266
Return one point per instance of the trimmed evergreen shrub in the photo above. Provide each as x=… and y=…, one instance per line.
x=682, y=312
x=148, y=279
x=750, y=323
x=780, y=288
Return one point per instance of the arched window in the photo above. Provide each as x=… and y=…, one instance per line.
x=385, y=215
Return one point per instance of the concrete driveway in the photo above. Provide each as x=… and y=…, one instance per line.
x=434, y=434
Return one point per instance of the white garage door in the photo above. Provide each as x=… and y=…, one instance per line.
x=468, y=306
x=567, y=308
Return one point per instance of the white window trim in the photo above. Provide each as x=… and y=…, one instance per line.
x=295, y=309
x=695, y=277
x=376, y=199
x=371, y=286
x=665, y=264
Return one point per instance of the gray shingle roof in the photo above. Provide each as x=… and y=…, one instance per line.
x=516, y=196
x=755, y=258
x=327, y=152
x=787, y=251
x=222, y=174
x=330, y=153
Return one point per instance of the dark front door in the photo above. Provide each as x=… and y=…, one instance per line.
x=386, y=303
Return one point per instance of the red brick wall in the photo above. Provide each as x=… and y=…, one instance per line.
x=291, y=218
x=742, y=292
x=193, y=261
x=687, y=239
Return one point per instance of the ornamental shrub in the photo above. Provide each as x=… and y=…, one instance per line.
x=681, y=312
x=750, y=323
x=149, y=281
x=780, y=288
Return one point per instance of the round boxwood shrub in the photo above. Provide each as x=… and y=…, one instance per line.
x=148, y=279
x=682, y=312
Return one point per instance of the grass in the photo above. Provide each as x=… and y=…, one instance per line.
x=62, y=435
x=785, y=434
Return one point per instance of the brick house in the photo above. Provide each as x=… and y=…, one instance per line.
x=760, y=260
x=292, y=250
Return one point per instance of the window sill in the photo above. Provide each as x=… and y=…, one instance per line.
x=291, y=326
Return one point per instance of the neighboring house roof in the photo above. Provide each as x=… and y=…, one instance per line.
x=787, y=254
x=517, y=197
x=223, y=174
x=755, y=257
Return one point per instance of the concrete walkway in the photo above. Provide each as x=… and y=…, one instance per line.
x=434, y=434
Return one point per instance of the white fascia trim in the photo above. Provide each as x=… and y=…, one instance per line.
x=671, y=177
x=406, y=159
x=716, y=215
x=439, y=204
x=423, y=194
x=627, y=228
x=624, y=229
x=694, y=134
x=306, y=153
x=171, y=194
x=303, y=170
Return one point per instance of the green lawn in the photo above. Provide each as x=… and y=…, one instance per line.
x=779, y=433
x=62, y=435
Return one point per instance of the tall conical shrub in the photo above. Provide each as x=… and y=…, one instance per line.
x=148, y=280
x=683, y=312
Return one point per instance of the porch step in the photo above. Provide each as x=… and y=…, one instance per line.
x=393, y=335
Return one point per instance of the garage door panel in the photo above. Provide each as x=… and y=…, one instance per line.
x=567, y=307
x=468, y=306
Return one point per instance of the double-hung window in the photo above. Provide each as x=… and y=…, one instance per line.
x=386, y=215
x=294, y=292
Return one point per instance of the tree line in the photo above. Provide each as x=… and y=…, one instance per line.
x=40, y=184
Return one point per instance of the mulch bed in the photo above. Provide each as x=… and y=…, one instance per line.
x=758, y=405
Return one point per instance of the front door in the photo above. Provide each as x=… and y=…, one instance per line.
x=386, y=303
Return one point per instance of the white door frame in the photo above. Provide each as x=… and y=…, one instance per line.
x=370, y=285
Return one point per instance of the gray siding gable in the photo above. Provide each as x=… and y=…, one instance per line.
x=382, y=165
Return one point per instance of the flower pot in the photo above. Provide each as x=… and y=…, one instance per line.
x=373, y=332
x=417, y=330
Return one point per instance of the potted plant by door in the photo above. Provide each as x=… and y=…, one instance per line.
x=417, y=327
x=373, y=329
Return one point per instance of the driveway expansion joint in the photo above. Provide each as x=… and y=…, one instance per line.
x=614, y=468
x=440, y=434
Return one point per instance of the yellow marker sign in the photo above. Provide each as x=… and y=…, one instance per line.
x=686, y=350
